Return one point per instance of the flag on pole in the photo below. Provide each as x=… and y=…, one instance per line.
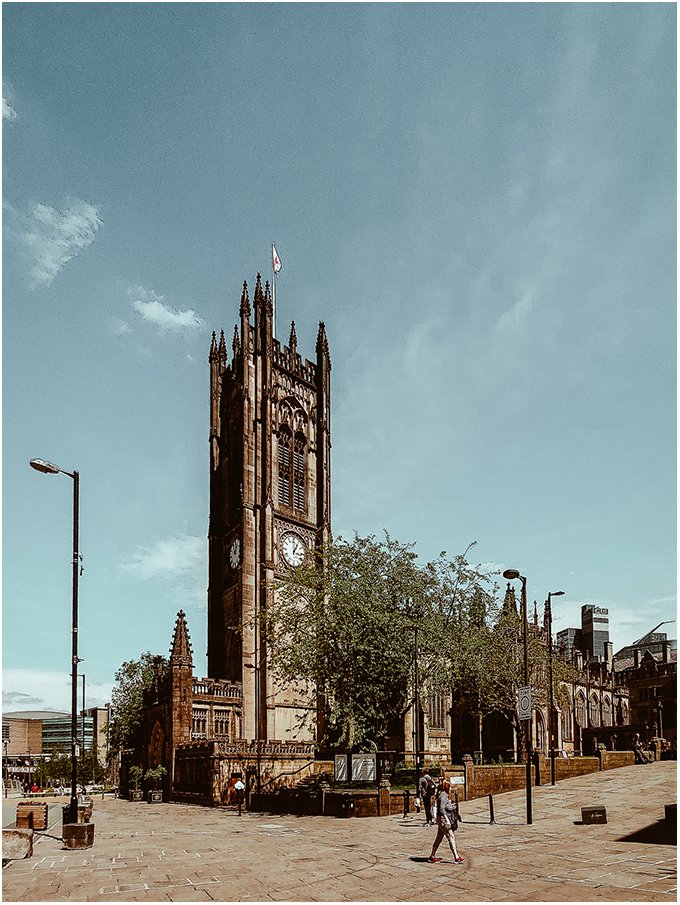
x=276, y=260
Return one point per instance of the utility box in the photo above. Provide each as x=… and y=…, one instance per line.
x=32, y=815
x=594, y=815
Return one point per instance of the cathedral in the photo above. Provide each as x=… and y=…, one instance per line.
x=269, y=501
x=269, y=505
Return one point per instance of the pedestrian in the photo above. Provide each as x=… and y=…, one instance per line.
x=447, y=824
x=426, y=787
x=640, y=757
x=240, y=790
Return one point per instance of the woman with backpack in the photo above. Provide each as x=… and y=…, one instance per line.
x=447, y=824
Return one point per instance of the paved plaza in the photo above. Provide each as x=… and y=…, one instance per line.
x=184, y=853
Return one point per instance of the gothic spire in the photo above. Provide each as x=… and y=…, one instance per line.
x=236, y=342
x=180, y=650
x=245, y=301
x=268, y=305
x=222, y=349
x=292, y=342
x=509, y=602
x=257, y=298
x=321, y=340
x=213, y=349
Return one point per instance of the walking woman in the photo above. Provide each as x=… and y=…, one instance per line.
x=447, y=824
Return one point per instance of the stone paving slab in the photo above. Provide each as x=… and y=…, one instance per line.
x=184, y=853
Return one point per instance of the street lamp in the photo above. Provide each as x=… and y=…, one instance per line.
x=551, y=705
x=48, y=468
x=511, y=575
x=82, y=753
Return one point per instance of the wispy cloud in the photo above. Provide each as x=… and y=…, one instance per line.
x=8, y=111
x=179, y=561
x=152, y=308
x=119, y=327
x=41, y=689
x=54, y=237
x=168, y=558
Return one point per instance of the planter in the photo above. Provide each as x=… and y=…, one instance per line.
x=136, y=795
x=155, y=796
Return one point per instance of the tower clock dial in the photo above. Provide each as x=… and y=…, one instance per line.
x=292, y=549
x=235, y=553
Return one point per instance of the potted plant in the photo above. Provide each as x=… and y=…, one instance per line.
x=135, y=774
x=155, y=776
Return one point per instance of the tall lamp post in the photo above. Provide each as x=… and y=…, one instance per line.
x=82, y=728
x=71, y=812
x=511, y=575
x=551, y=705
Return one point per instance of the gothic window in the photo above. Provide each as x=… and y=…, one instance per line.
x=291, y=475
x=581, y=709
x=594, y=712
x=437, y=712
x=222, y=723
x=199, y=722
x=606, y=712
x=299, y=473
x=284, y=467
x=566, y=723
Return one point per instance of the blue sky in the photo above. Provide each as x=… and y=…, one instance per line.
x=478, y=200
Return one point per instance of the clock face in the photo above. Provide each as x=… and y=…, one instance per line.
x=235, y=553
x=292, y=549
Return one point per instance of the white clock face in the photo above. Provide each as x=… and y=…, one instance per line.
x=292, y=549
x=235, y=553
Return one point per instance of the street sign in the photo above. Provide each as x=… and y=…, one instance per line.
x=524, y=702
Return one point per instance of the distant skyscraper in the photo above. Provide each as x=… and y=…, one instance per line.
x=594, y=631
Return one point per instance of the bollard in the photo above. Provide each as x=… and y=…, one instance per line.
x=407, y=804
x=491, y=817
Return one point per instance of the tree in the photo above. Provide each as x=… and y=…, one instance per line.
x=131, y=679
x=347, y=623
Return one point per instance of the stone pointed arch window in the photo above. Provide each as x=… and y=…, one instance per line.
x=292, y=469
x=285, y=459
x=594, y=711
x=581, y=709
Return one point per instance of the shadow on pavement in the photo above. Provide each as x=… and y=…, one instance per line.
x=665, y=832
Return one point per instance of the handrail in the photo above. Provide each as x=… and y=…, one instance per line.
x=292, y=773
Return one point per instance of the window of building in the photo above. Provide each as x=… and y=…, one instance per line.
x=284, y=467
x=222, y=721
x=581, y=709
x=606, y=712
x=594, y=712
x=566, y=723
x=291, y=474
x=437, y=711
x=199, y=722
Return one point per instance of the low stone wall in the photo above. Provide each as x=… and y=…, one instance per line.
x=491, y=780
x=613, y=759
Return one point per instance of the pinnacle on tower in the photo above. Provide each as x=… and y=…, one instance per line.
x=245, y=301
x=322, y=340
x=292, y=342
x=213, y=349
x=257, y=298
x=509, y=601
x=268, y=305
x=222, y=349
x=180, y=649
x=236, y=342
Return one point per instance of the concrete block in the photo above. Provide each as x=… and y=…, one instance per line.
x=17, y=844
x=671, y=812
x=78, y=835
x=594, y=815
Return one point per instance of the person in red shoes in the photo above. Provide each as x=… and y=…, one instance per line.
x=447, y=824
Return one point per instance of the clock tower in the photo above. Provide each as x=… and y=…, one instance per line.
x=269, y=502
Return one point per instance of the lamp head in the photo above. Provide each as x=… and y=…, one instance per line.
x=44, y=467
x=511, y=573
x=556, y=594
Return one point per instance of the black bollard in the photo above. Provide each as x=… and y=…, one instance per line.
x=407, y=805
x=491, y=818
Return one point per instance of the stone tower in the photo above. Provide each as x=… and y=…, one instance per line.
x=269, y=501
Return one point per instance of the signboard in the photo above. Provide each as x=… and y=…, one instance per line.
x=340, y=773
x=524, y=702
x=363, y=767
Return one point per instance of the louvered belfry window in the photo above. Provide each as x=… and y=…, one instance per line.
x=299, y=473
x=284, y=467
x=292, y=457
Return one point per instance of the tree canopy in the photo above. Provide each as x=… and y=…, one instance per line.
x=131, y=679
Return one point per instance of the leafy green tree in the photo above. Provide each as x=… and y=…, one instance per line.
x=131, y=679
x=348, y=623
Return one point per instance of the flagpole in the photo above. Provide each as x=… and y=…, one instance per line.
x=274, y=292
